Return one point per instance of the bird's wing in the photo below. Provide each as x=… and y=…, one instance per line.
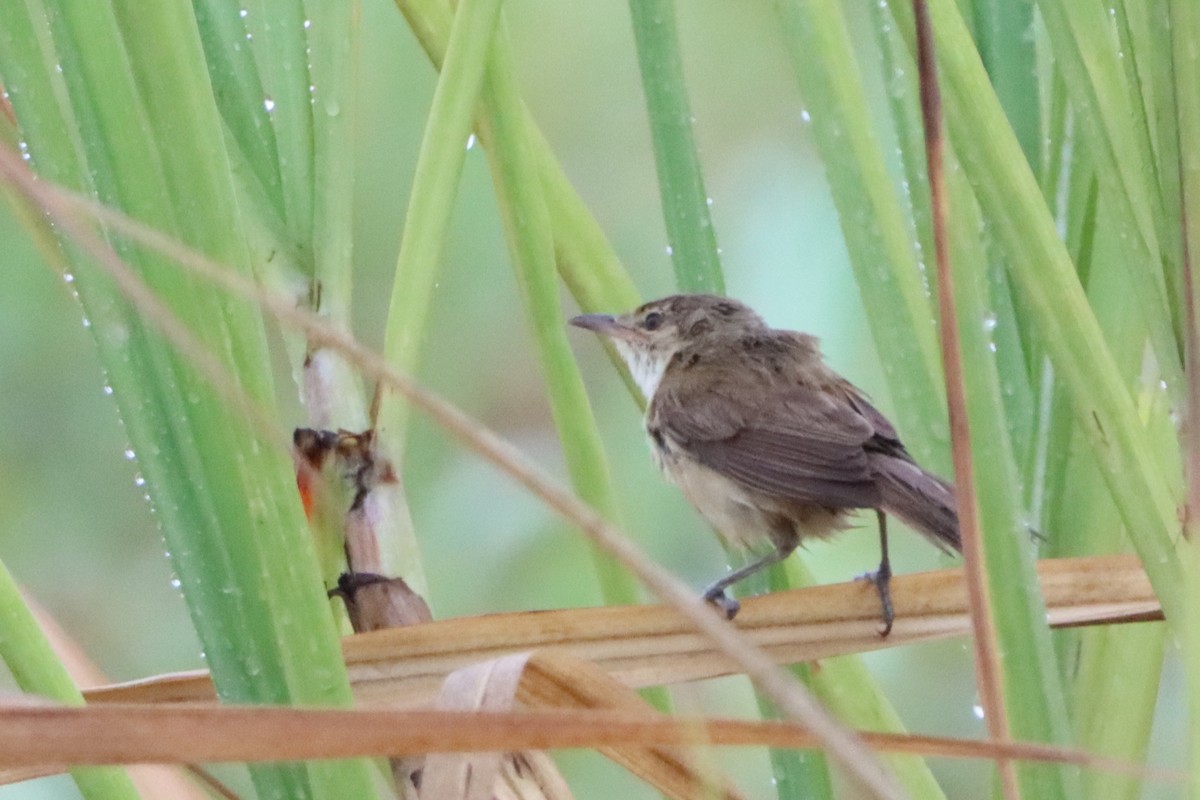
x=805, y=445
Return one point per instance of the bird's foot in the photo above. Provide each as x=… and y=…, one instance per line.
x=723, y=602
x=881, y=580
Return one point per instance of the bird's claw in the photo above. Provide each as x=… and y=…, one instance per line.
x=881, y=579
x=723, y=602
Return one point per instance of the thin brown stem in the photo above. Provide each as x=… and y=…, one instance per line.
x=45, y=737
x=1191, y=350
x=987, y=661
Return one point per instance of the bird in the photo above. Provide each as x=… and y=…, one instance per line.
x=767, y=442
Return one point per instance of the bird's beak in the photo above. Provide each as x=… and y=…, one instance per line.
x=605, y=324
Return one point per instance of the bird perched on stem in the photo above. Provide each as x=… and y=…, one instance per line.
x=768, y=443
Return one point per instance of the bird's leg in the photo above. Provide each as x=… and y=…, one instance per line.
x=882, y=576
x=715, y=592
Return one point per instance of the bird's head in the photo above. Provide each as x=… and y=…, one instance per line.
x=648, y=337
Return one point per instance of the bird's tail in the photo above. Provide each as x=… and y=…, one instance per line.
x=923, y=501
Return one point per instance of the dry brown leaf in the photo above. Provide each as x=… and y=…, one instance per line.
x=553, y=680
x=531, y=774
x=556, y=679
x=491, y=685
x=651, y=645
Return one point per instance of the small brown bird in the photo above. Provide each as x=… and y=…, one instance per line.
x=768, y=443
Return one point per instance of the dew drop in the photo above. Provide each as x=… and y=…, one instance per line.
x=805, y=117
x=470, y=141
x=268, y=104
x=977, y=710
x=129, y=454
x=670, y=250
x=176, y=583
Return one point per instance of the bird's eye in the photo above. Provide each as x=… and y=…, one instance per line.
x=653, y=321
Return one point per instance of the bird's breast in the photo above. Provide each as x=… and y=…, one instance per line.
x=723, y=503
x=741, y=516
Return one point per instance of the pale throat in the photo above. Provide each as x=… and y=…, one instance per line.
x=646, y=366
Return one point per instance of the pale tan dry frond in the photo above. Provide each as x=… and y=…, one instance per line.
x=652, y=645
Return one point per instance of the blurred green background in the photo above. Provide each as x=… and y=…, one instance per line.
x=75, y=527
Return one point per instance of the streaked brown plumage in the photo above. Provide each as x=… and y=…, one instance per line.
x=766, y=441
